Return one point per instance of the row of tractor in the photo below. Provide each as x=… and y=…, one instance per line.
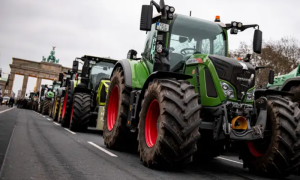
x=184, y=99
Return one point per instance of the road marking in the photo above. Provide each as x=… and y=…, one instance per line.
x=102, y=149
x=56, y=123
x=6, y=110
x=43, y=116
x=69, y=131
x=229, y=160
x=48, y=119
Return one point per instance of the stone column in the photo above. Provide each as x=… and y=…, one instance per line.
x=38, y=84
x=9, y=87
x=24, y=86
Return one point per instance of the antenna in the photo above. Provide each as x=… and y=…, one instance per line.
x=190, y=13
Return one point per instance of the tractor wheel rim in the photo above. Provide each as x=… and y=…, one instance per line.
x=151, y=123
x=253, y=150
x=113, y=107
x=64, y=106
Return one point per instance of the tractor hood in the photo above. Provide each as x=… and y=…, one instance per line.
x=279, y=80
x=235, y=72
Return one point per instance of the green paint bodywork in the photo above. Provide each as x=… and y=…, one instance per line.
x=141, y=69
x=279, y=80
x=139, y=73
x=50, y=94
x=207, y=63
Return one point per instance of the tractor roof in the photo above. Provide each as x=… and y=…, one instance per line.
x=194, y=19
x=98, y=59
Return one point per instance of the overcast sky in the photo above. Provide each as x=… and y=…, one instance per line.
x=29, y=28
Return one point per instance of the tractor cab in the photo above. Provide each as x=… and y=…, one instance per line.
x=94, y=70
x=189, y=36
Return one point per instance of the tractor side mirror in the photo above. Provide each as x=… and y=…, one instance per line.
x=271, y=77
x=146, y=18
x=131, y=54
x=75, y=66
x=257, y=41
x=60, y=77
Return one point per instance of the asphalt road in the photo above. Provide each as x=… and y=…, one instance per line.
x=41, y=149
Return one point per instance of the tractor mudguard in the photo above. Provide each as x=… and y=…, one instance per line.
x=135, y=72
x=125, y=65
x=294, y=81
x=102, y=92
x=268, y=92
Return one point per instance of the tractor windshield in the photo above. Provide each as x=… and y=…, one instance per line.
x=102, y=70
x=190, y=35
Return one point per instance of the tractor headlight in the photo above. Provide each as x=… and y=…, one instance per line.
x=250, y=95
x=228, y=90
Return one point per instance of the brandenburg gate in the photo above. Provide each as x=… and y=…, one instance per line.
x=46, y=69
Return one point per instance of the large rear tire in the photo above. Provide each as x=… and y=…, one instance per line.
x=169, y=123
x=80, y=112
x=46, y=106
x=67, y=107
x=50, y=110
x=115, y=133
x=277, y=155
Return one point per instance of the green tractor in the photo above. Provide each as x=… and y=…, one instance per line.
x=86, y=95
x=288, y=82
x=185, y=85
x=46, y=97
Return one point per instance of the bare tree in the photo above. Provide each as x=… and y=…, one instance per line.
x=282, y=56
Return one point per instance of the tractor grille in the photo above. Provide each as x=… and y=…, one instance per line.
x=232, y=71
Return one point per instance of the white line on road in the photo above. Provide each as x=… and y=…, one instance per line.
x=56, y=123
x=229, y=160
x=6, y=110
x=102, y=149
x=69, y=131
x=43, y=116
x=48, y=119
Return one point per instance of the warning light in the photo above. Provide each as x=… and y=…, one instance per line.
x=239, y=58
x=217, y=19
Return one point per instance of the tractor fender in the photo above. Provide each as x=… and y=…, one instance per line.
x=159, y=75
x=294, y=81
x=75, y=88
x=125, y=65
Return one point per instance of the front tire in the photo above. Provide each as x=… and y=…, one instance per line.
x=276, y=155
x=115, y=133
x=169, y=123
x=80, y=112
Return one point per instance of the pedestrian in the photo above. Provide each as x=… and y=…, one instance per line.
x=1, y=99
